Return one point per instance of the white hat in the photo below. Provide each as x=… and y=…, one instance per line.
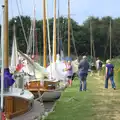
x=84, y=57
x=108, y=61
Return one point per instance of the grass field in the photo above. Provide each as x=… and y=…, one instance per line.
x=97, y=103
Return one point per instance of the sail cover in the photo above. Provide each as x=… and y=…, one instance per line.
x=14, y=57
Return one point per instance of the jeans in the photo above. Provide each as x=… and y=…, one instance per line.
x=83, y=83
x=112, y=81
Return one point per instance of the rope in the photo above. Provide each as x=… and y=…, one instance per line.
x=21, y=7
x=30, y=41
x=73, y=40
x=21, y=23
x=11, y=9
x=33, y=27
x=29, y=47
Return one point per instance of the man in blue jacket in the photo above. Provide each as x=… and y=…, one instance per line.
x=83, y=72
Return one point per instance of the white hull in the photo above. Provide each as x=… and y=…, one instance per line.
x=51, y=96
x=16, y=92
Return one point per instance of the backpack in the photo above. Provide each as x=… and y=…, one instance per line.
x=100, y=64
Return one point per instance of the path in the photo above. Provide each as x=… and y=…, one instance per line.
x=97, y=103
x=107, y=101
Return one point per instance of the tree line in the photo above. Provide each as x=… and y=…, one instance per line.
x=80, y=35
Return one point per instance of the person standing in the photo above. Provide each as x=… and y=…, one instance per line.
x=109, y=74
x=99, y=66
x=83, y=72
x=69, y=70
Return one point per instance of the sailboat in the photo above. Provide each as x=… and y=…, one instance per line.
x=14, y=101
x=58, y=65
x=49, y=88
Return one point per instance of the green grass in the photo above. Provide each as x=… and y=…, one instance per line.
x=95, y=104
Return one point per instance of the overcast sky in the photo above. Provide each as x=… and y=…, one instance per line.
x=80, y=9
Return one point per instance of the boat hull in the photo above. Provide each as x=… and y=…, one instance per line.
x=52, y=96
x=17, y=103
x=15, y=106
x=48, y=94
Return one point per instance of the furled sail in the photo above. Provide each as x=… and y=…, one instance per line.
x=14, y=57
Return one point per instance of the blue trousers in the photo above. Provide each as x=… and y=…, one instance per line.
x=83, y=83
x=112, y=81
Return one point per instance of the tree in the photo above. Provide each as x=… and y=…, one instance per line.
x=81, y=34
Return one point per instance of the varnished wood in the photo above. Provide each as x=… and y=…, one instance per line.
x=15, y=106
x=54, y=33
x=44, y=35
x=6, y=48
x=69, y=28
x=34, y=86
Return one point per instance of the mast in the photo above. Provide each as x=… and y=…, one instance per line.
x=54, y=33
x=44, y=35
x=2, y=69
x=68, y=28
x=58, y=29
x=110, y=40
x=34, y=32
x=6, y=51
x=91, y=38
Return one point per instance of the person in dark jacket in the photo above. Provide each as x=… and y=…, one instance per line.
x=83, y=72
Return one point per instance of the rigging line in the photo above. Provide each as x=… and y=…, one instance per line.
x=30, y=41
x=22, y=23
x=33, y=23
x=33, y=26
x=63, y=29
x=73, y=40
x=21, y=7
x=49, y=46
x=12, y=9
x=35, y=31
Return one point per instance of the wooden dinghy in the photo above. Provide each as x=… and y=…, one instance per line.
x=49, y=90
x=17, y=102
